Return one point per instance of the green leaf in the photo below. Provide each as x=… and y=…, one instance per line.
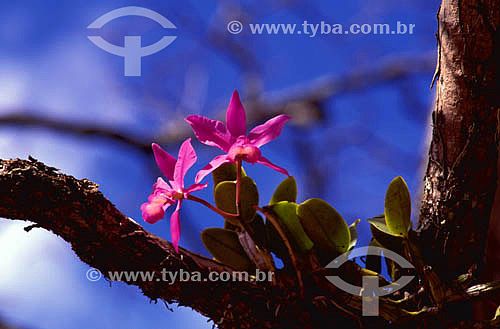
x=354, y=234
x=225, y=198
x=383, y=235
x=225, y=246
x=289, y=221
x=286, y=191
x=324, y=225
x=398, y=207
x=379, y=223
x=226, y=172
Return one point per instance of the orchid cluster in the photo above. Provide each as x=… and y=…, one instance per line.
x=311, y=232
x=230, y=138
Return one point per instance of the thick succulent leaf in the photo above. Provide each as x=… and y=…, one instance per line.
x=384, y=236
x=225, y=198
x=289, y=221
x=286, y=191
x=226, y=172
x=380, y=224
x=249, y=198
x=354, y=234
x=225, y=246
x=324, y=225
x=398, y=207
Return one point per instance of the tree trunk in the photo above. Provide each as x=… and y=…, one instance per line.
x=461, y=177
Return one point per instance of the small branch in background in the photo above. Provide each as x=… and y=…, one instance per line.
x=24, y=119
x=300, y=102
x=6, y=325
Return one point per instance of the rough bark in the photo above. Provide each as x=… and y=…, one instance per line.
x=461, y=177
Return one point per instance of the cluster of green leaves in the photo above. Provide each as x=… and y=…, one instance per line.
x=295, y=231
x=313, y=226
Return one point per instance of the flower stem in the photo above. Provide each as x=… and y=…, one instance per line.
x=238, y=185
x=208, y=205
x=271, y=217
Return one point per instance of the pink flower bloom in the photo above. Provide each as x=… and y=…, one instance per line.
x=233, y=139
x=165, y=194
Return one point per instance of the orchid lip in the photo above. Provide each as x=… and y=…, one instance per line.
x=246, y=152
x=176, y=195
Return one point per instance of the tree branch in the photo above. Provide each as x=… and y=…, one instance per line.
x=104, y=238
x=107, y=240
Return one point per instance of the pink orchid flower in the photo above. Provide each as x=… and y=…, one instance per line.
x=233, y=139
x=165, y=194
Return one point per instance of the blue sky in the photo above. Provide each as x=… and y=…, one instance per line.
x=48, y=67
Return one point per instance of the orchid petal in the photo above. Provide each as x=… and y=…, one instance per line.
x=165, y=161
x=211, y=166
x=154, y=209
x=167, y=204
x=268, y=131
x=175, y=186
x=271, y=165
x=236, y=121
x=195, y=187
x=161, y=186
x=151, y=213
x=210, y=132
x=175, y=226
x=186, y=159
